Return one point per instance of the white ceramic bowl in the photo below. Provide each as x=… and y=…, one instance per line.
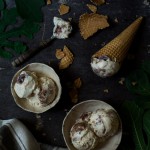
x=86, y=106
x=43, y=70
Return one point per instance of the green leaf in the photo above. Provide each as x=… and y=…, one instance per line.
x=18, y=47
x=27, y=29
x=146, y=126
x=142, y=83
x=136, y=117
x=8, y=18
x=143, y=102
x=5, y=54
x=1, y=4
x=146, y=66
x=30, y=9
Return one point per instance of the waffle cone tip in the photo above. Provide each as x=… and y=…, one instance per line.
x=117, y=48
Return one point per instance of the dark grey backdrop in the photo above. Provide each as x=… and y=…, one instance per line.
x=125, y=11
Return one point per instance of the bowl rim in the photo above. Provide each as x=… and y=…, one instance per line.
x=117, y=136
x=57, y=98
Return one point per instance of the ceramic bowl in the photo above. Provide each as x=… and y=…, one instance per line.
x=89, y=106
x=43, y=70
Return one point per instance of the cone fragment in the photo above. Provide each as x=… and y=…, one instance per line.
x=117, y=48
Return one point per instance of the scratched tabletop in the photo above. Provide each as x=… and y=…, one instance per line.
x=47, y=127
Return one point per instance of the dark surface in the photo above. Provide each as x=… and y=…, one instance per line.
x=93, y=86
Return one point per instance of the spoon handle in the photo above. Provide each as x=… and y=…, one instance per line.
x=23, y=57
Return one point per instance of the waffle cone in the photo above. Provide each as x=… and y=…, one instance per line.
x=117, y=48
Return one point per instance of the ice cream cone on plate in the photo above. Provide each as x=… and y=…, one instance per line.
x=108, y=59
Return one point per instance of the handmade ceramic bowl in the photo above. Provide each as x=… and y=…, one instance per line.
x=89, y=106
x=43, y=70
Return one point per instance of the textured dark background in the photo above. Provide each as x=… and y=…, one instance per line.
x=93, y=86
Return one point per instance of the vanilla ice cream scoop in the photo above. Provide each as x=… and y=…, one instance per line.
x=62, y=28
x=45, y=93
x=25, y=84
x=104, y=66
x=104, y=123
x=82, y=137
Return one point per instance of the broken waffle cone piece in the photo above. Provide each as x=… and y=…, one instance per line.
x=92, y=8
x=118, y=47
x=63, y=9
x=74, y=92
x=77, y=83
x=67, y=59
x=49, y=2
x=91, y=23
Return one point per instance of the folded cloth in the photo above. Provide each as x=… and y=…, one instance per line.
x=15, y=136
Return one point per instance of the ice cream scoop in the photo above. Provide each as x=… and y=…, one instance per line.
x=104, y=123
x=61, y=30
x=104, y=66
x=82, y=137
x=107, y=61
x=25, y=84
x=45, y=92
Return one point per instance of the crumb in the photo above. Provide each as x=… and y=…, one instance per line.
x=74, y=13
x=116, y=20
x=74, y=95
x=98, y=2
x=121, y=81
x=74, y=92
x=69, y=19
x=59, y=54
x=145, y=2
x=148, y=49
x=65, y=110
x=43, y=134
x=63, y=9
x=55, y=139
x=2, y=68
x=107, y=3
x=106, y=90
x=38, y=116
x=39, y=122
x=49, y=2
x=133, y=83
x=103, y=44
x=92, y=8
x=130, y=56
x=63, y=1
x=49, y=118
